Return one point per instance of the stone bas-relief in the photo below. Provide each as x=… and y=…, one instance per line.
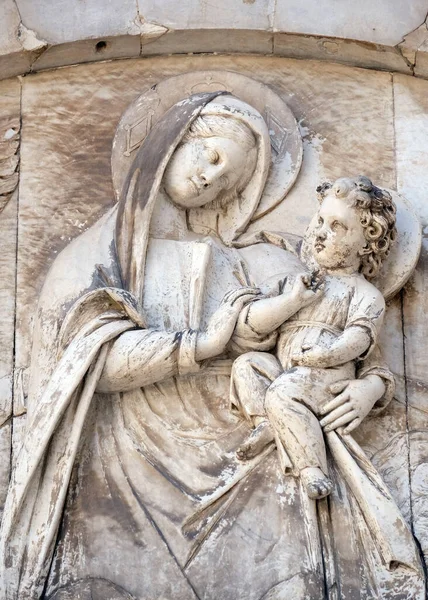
x=324, y=324
x=131, y=481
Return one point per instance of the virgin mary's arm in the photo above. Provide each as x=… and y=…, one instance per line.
x=143, y=356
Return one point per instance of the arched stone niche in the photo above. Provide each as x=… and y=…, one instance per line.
x=57, y=129
x=374, y=34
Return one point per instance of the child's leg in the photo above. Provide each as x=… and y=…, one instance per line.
x=299, y=430
x=252, y=373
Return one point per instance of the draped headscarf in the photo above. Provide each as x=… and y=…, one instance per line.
x=144, y=179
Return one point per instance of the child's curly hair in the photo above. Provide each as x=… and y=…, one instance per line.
x=377, y=216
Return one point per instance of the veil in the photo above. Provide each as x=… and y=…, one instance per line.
x=144, y=179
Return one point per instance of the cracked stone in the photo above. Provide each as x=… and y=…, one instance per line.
x=29, y=39
x=412, y=42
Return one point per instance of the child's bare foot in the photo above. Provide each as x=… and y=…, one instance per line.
x=316, y=483
x=258, y=439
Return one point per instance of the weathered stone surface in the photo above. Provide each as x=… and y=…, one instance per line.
x=8, y=232
x=195, y=41
x=18, y=45
x=64, y=21
x=321, y=97
x=64, y=115
x=421, y=65
x=346, y=117
x=202, y=14
x=412, y=42
x=411, y=123
x=350, y=52
x=92, y=50
x=379, y=35
x=10, y=101
x=369, y=20
x=384, y=437
x=9, y=27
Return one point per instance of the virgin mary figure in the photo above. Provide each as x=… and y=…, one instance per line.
x=127, y=484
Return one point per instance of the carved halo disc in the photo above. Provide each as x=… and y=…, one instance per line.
x=148, y=108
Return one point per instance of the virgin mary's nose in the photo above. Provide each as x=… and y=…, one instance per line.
x=205, y=180
x=211, y=174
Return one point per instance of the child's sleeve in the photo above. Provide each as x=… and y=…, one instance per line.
x=366, y=310
x=376, y=365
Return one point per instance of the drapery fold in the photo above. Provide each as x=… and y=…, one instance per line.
x=39, y=484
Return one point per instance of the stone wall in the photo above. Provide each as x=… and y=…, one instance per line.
x=378, y=34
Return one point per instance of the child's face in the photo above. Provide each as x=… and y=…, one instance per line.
x=339, y=235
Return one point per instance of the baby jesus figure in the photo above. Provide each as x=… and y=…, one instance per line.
x=324, y=330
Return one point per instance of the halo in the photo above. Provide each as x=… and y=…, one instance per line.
x=146, y=110
x=402, y=259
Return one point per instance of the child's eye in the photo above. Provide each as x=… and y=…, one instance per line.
x=320, y=221
x=336, y=225
x=213, y=157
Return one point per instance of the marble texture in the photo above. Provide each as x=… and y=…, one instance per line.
x=204, y=14
x=411, y=106
x=91, y=50
x=9, y=25
x=8, y=232
x=64, y=21
x=350, y=52
x=330, y=102
x=10, y=104
x=369, y=20
x=351, y=121
x=346, y=117
x=327, y=132
x=380, y=34
x=184, y=41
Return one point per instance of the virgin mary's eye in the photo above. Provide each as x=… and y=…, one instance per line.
x=213, y=157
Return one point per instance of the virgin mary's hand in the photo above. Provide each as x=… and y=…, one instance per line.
x=355, y=399
x=212, y=342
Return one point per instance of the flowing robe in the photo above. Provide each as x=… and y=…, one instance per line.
x=138, y=491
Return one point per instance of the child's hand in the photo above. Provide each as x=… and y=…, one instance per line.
x=304, y=291
x=316, y=356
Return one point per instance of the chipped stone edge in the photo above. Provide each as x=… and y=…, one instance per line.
x=146, y=39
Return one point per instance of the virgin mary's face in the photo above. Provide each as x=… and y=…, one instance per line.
x=202, y=168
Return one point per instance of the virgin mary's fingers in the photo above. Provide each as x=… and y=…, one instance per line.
x=344, y=420
x=339, y=386
x=335, y=403
x=352, y=425
x=335, y=414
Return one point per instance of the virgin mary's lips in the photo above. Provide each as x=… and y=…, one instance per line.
x=195, y=185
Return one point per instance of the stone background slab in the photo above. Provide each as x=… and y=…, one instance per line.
x=352, y=121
